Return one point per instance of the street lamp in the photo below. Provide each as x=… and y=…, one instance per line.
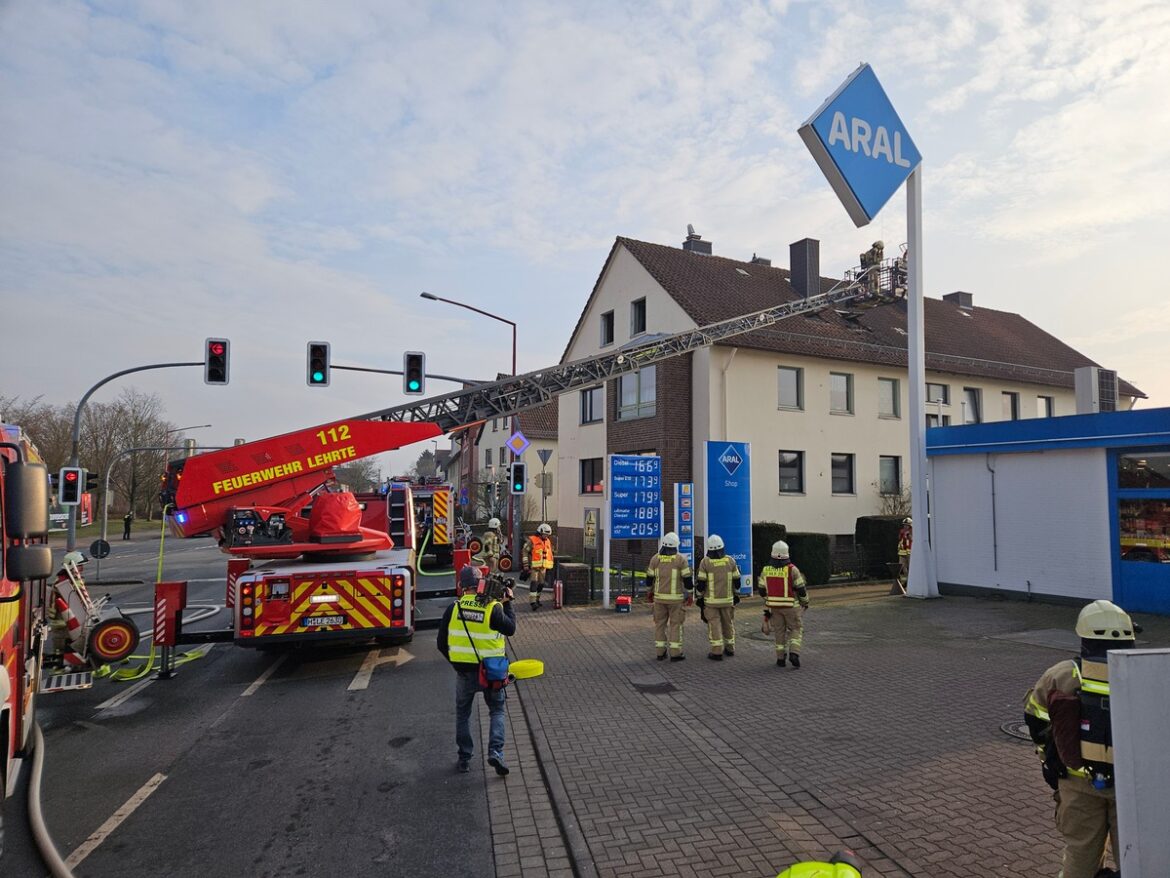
x=512, y=505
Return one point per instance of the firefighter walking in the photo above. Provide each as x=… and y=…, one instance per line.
x=1067, y=713
x=669, y=584
x=717, y=587
x=536, y=559
x=493, y=541
x=905, y=546
x=782, y=586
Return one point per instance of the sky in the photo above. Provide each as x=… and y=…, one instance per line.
x=280, y=171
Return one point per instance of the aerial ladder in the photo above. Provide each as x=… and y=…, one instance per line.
x=269, y=500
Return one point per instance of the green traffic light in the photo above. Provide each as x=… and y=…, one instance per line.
x=318, y=376
x=414, y=385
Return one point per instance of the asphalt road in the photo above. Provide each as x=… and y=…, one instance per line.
x=256, y=764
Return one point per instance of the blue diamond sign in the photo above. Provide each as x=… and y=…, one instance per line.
x=518, y=442
x=730, y=460
x=861, y=145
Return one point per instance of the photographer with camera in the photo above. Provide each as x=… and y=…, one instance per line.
x=472, y=635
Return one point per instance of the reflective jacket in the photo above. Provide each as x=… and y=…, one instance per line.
x=905, y=541
x=468, y=611
x=718, y=580
x=491, y=544
x=540, y=553
x=783, y=586
x=1086, y=680
x=672, y=577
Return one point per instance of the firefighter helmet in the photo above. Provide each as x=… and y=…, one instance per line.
x=780, y=549
x=544, y=530
x=670, y=541
x=1102, y=620
x=908, y=520
x=74, y=558
x=714, y=542
x=494, y=524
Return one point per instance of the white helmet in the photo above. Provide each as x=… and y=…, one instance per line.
x=494, y=524
x=670, y=541
x=544, y=530
x=779, y=549
x=74, y=558
x=715, y=542
x=1102, y=620
x=908, y=520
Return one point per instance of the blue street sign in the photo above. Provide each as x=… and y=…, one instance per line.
x=729, y=501
x=861, y=145
x=635, y=499
x=684, y=518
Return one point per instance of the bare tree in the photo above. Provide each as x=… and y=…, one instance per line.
x=361, y=475
x=894, y=504
x=50, y=428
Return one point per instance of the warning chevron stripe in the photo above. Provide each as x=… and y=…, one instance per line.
x=440, y=515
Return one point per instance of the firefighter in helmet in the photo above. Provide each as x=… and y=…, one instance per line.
x=905, y=544
x=493, y=542
x=536, y=560
x=1067, y=713
x=669, y=587
x=717, y=588
x=782, y=586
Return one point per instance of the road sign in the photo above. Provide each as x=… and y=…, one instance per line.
x=635, y=483
x=518, y=442
x=861, y=145
x=544, y=454
x=592, y=514
x=729, y=501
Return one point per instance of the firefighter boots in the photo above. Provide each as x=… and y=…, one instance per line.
x=714, y=658
x=795, y=660
x=780, y=661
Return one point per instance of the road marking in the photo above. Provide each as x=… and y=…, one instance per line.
x=260, y=680
x=125, y=695
x=100, y=834
x=374, y=658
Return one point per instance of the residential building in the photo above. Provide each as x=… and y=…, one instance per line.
x=822, y=399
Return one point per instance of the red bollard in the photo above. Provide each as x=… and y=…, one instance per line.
x=558, y=595
x=170, y=599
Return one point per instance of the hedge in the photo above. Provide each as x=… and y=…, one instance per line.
x=876, y=539
x=810, y=552
x=764, y=533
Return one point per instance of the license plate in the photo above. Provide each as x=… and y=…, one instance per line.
x=321, y=621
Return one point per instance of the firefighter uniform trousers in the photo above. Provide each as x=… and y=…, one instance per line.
x=787, y=629
x=784, y=589
x=718, y=579
x=1084, y=816
x=671, y=575
x=491, y=551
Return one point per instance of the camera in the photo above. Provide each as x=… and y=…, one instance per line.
x=494, y=588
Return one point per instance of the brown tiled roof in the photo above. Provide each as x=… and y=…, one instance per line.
x=964, y=341
x=540, y=422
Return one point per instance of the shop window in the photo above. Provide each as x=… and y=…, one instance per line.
x=1144, y=530
x=1151, y=470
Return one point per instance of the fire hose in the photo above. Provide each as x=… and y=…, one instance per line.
x=151, y=661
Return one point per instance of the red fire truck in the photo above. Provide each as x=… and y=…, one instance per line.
x=25, y=565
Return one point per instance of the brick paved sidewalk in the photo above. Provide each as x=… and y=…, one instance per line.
x=888, y=741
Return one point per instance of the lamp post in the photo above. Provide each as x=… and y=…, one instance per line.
x=513, y=507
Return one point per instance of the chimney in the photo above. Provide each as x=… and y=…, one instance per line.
x=963, y=300
x=760, y=260
x=804, y=260
x=695, y=243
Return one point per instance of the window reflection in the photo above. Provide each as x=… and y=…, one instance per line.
x=1144, y=528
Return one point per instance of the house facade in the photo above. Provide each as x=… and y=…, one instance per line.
x=822, y=399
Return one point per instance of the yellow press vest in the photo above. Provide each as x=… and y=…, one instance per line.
x=478, y=631
x=779, y=586
x=669, y=571
x=720, y=574
x=542, y=554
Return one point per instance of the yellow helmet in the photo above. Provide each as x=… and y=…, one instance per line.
x=1102, y=620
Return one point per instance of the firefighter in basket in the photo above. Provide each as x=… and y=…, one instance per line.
x=493, y=544
x=1067, y=713
x=782, y=586
x=669, y=587
x=536, y=560
x=717, y=588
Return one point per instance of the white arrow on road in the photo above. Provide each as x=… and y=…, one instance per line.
x=398, y=657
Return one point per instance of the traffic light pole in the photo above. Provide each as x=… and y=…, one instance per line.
x=399, y=372
x=71, y=538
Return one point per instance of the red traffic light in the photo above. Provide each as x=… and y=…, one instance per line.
x=216, y=347
x=71, y=475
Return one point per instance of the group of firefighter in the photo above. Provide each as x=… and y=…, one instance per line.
x=1066, y=711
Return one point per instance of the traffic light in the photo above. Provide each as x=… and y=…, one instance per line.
x=519, y=475
x=70, y=482
x=318, y=366
x=215, y=361
x=91, y=481
x=414, y=373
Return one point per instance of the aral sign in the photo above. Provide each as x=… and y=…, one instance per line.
x=861, y=145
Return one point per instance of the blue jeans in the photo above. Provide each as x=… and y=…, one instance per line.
x=466, y=687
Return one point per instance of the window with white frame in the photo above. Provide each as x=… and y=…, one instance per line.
x=487, y=457
x=607, y=328
x=889, y=474
x=637, y=317
x=972, y=405
x=791, y=381
x=841, y=393
x=842, y=468
x=791, y=472
x=592, y=405
x=637, y=394
x=889, y=402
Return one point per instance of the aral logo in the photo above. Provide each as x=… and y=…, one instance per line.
x=731, y=460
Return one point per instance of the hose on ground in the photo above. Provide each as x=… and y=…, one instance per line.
x=36, y=818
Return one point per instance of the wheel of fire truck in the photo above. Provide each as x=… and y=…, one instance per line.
x=505, y=563
x=474, y=544
x=112, y=640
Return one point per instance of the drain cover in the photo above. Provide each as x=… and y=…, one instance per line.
x=1017, y=730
